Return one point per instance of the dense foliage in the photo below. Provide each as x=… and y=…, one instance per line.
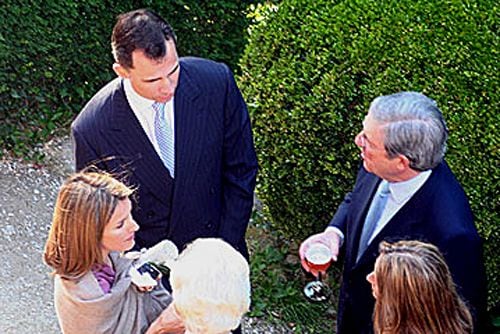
x=56, y=54
x=310, y=70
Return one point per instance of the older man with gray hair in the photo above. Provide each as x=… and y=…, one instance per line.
x=404, y=190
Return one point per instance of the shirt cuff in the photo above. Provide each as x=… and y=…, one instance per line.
x=339, y=233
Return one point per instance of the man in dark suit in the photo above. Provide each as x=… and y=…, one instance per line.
x=179, y=130
x=402, y=144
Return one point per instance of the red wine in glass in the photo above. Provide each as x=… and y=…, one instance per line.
x=318, y=257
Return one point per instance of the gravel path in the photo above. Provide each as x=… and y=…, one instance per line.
x=26, y=205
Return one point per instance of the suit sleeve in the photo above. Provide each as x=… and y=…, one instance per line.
x=453, y=231
x=239, y=167
x=339, y=220
x=463, y=251
x=465, y=259
x=84, y=154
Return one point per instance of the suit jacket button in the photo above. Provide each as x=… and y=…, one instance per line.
x=208, y=225
x=151, y=214
x=212, y=190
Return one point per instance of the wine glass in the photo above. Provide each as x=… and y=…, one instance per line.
x=318, y=257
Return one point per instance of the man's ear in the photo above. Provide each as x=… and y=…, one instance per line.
x=403, y=163
x=120, y=70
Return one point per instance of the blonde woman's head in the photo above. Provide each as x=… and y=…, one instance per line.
x=85, y=204
x=415, y=292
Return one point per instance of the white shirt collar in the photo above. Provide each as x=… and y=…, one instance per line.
x=402, y=191
x=136, y=101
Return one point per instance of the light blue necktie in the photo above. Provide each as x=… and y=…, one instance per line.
x=374, y=213
x=164, y=137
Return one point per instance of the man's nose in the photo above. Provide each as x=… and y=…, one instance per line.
x=168, y=86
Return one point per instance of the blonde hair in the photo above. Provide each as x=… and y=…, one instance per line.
x=416, y=293
x=84, y=205
x=210, y=286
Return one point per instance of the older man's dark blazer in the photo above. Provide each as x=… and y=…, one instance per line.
x=215, y=161
x=438, y=213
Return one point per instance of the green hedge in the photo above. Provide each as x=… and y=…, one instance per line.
x=311, y=69
x=56, y=54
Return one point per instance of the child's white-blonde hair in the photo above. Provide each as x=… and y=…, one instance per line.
x=210, y=286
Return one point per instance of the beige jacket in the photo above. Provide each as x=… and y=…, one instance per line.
x=82, y=306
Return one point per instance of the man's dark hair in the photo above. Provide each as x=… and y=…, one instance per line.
x=140, y=30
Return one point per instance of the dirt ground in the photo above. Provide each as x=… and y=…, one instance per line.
x=26, y=205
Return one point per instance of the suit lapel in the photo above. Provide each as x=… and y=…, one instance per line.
x=402, y=224
x=360, y=211
x=128, y=134
x=189, y=135
x=399, y=227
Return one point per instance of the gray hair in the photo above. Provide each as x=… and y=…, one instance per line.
x=414, y=127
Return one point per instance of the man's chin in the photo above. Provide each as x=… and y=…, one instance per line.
x=163, y=99
x=365, y=165
x=368, y=167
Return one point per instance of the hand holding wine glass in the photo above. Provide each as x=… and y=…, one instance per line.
x=316, y=254
x=328, y=238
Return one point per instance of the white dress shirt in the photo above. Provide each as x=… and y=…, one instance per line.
x=143, y=110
